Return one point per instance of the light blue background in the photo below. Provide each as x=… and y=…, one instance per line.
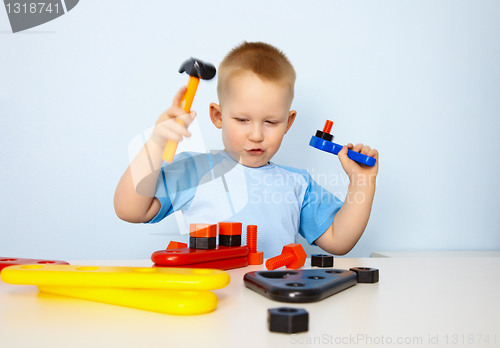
x=418, y=80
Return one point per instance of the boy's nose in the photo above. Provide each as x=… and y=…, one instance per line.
x=256, y=134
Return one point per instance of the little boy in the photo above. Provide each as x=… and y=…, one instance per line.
x=255, y=90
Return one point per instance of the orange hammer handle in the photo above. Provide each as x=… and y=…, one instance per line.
x=186, y=102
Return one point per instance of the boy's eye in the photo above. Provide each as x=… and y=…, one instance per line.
x=246, y=120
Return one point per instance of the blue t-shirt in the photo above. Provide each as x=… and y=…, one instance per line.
x=281, y=201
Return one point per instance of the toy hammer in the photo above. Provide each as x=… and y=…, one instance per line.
x=196, y=69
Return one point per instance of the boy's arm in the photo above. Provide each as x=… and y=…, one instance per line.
x=129, y=204
x=134, y=199
x=350, y=221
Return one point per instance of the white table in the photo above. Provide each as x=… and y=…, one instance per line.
x=417, y=300
x=421, y=254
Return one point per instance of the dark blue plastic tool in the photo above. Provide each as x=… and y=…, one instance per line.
x=323, y=141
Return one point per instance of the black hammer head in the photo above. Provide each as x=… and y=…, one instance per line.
x=197, y=68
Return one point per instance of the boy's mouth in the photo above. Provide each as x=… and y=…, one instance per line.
x=255, y=151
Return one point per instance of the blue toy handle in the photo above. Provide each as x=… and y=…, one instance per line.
x=331, y=147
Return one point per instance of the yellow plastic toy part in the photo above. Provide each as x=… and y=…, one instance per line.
x=116, y=277
x=175, y=302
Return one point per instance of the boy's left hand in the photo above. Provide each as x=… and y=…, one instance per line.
x=357, y=172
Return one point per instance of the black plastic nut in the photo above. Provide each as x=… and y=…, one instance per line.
x=366, y=274
x=202, y=243
x=324, y=136
x=321, y=260
x=230, y=240
x=287, y=320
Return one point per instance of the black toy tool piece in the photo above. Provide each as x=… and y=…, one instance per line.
x=300, y=286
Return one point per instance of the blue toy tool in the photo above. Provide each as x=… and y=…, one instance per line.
x=323, y=141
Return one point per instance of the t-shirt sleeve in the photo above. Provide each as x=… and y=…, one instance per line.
x=177, y=182
x=318, y=210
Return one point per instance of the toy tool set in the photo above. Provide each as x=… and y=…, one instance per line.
x=323, y=141
x=203, y=251
x=185, y=288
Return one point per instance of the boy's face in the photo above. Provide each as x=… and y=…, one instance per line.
x=254, y=116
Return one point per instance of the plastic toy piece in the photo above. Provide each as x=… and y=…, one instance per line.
x=254, y=257
x=196, y=69
x=229, y=240
x=230, y=233
x=176, y=245
x=11, y=261
x=321, y=260
x=224, y=265
x=187, y=256
x=202, y=236
x=177, y=302
x=292, y=256
x=202, y=243
x=300, y=286
x=230, y=228
x=366, y=274
x=116, y=277
x=287, y=320
x=323, y=141
x=203, y=230
x=328, y=127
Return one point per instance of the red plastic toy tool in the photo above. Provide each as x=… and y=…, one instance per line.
x=293, y=256
x=11, y=261
x=176, y=245
x=188, y=256
x=254, y=257
x=223, y=265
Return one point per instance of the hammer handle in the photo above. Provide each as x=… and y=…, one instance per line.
x=186, y=102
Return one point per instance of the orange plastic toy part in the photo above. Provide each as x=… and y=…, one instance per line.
x=292, y=256
x=203, y=230
x=254, y=257
x=328, y=126
x=252, y=238
x=230, y=228
x=176, y=245
x=11, y=261
x=187, y=101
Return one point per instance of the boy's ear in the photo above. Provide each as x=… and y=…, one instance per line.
x=215, y=115
x=291, y=118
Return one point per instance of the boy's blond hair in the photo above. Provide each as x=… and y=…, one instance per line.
x=263, y=59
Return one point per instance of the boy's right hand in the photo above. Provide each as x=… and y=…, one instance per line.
x=167, y=127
